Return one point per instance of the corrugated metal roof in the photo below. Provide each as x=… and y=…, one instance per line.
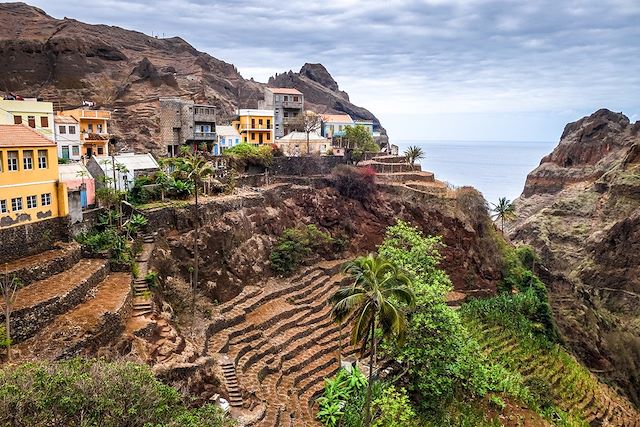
x=301, y=136
x=285, y=90
x=70, y=171
x=337, y=118
x=227, y=131
x=58, y=119
x=130, y=160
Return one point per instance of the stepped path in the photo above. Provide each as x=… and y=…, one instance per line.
x=92, y=323
x=142, y=302
x=276, y=344
x=575, y=389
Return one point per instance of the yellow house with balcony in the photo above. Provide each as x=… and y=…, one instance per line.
x=94, y=132
x=30, y=189
x=255, y=126
x=36, y=114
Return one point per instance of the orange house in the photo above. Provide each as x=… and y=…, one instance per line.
x=94, y=132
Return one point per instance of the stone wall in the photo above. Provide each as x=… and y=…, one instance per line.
x=89, y=221
x=305, y=166
x=28, y=273
x=29, y=239
x=27, y=321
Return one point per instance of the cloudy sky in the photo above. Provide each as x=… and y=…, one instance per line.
x=430, y=69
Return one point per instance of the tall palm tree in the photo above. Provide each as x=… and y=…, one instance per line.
x=196, y=168
x=503, y=210
x=414, y=153
x=373, y=302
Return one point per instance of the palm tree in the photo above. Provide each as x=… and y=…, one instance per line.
x=414, y=153
x=196, y=168
x=503, y=210
x=373, y=301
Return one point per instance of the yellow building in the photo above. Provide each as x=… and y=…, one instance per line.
x=255, y=126
x=94, y=132
x=30, y=189
x=31, y=112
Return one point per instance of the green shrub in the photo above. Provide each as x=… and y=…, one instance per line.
x=243, y=155
x=393, y=409
x=296, y=244
x=497, y=403
x=151, y=278
x=340, y=395
x=81, y=392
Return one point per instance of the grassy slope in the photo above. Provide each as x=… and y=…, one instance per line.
x=573, y=388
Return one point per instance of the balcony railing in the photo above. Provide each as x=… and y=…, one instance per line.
x=204, y=135
x=96, y=136
x=255, y=127
x=291, y=104
x=95, y=114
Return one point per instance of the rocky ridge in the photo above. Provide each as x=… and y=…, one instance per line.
x=580, y=209
x=67, y=61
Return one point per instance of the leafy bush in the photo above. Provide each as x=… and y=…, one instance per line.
x=296, y=244
x=151, y=278
x=353, y=182
x=340, y=392
x=243, y=155
x=81, y=392
x=393, y=409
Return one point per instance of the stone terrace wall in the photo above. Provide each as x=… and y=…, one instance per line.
x=29, y=239
x=305, y=166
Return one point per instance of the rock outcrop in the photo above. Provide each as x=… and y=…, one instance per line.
x=67, y=62
x=581, y=210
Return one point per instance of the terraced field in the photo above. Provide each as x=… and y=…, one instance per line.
x=282, y=342
x=574, y=389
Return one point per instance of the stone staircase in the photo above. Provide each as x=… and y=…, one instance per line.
x=575, y=389
x=142, y=301
x=281, y=342
x=231, y=382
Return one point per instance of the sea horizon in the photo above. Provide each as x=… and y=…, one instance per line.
x=495, y=168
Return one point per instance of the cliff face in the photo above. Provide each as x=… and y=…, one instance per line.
x=581, y=210
x=238, y=233
x=67, y=61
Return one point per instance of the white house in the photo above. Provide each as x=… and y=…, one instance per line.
x=228, y=137
x=128, y=166
x=295, y=144
x=67, y=135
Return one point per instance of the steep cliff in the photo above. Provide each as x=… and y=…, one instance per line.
x=67, y=61
x=581, y=210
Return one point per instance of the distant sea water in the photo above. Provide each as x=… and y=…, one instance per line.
x=495, y=168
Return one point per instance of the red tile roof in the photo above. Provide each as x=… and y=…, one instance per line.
x=22, y=136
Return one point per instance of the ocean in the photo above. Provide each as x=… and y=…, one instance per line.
x=495, y=168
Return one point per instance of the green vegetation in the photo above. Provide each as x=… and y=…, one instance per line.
x=297, y=244
x=354, y=183
x=504, y=210
x=9, y=286
x=244, y=155
x=414, y=153
x=359, y=138
x=81, y=392
x=449, y=378
x=374, y=300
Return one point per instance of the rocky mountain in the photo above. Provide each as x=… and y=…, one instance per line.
x=67, y=61
x=581, y=210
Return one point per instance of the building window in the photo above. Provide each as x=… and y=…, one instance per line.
x=72, y=130
x=63, y=129
x=100, y=150
x=3, y=206
x=99, y=128
x=260, y=122
x=32, y=121
x=295, y=99
x=1, y=163
x=253, y=136
x=75, y=150
x=42, y=159
x=90, y=127
x=12, y=159
x=286, y=98
x=268, y=123
x=44, y=121
x=16, y=204
x=32, y=202
x=45, y=199
x=27, y=159
x=17, y=120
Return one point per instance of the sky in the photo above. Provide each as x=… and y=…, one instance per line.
x=501, y=70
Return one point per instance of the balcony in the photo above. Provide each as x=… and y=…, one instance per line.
x=95, y=114
x=204, y=113
x=292, y=104
x=204, y=136
x=91, y=136
x=244, y=127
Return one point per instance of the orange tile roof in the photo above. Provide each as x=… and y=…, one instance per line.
x=22, y=136
x=286, y=90
x=337, y=118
